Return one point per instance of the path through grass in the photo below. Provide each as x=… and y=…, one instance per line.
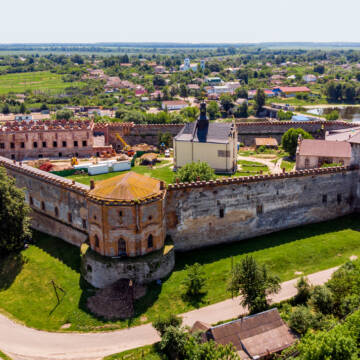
x=26, y=292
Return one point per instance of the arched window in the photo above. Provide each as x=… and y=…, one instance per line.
x=150, y=241
x=42, y=206
x=97, y=242
x=121, y=247
x=307, y=163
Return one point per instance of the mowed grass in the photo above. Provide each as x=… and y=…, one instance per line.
x=44, y=81
x=288, y=165
x=27, y=294
x=146, y=352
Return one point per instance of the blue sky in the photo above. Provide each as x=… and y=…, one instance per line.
x=179, y=21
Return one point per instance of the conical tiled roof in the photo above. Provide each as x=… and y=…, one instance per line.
x=129, y=186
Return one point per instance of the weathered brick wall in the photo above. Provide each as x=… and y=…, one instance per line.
x=203, y=214
x=59, y=206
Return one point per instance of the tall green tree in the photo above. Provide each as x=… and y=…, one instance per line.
x=289, y=140
x=213, y=110
x=253, y=282
x=259, y=100
x=194, y=281
x=14, y=215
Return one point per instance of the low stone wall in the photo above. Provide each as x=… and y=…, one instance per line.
x=102, y=271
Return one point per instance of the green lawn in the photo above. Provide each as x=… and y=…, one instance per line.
x=164, y=173
x=44, y=81
x=26, y=292
x=288, y=165
x=252, y=167
x=5, y=357
x=145, y=352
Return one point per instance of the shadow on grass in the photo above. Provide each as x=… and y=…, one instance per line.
x=218, y=252
x=10, y=267
x=195, y=301
x=66, y=253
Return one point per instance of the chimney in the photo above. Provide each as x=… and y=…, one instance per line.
x=92, y=184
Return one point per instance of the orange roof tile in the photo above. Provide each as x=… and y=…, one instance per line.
x=129, y=186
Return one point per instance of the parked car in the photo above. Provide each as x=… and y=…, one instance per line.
x=167, y=153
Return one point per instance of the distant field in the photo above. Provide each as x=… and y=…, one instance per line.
x=44, y=81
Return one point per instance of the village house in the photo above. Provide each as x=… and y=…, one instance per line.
x=291, y=91
x=254, y=337
x=213, y=143
x=174, y=104
x=309, y=78
x=270, y=143
x=314, y=153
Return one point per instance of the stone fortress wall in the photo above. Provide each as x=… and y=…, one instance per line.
x=209, y=213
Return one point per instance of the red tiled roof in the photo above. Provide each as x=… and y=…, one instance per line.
x=325, y=148
x=292, y=89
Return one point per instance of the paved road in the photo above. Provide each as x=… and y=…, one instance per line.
x=23, y=343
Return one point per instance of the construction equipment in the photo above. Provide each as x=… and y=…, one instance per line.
x=126, y=147
x=74, y=161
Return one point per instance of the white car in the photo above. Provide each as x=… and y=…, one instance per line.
x=167, y=153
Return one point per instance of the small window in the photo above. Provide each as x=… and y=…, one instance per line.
x=84, y=223
x=84, y=143
x=150, y=241
x=70, y=218
x=12, y=145
x=55, y=144
x=56, y=211
x=2, y=145
x=31, y=200
x=22, y=145
x=64, y=144
x=13, y=156
x=339, y=198
x=40, y=156
x=307, y=163
x=259, y=209
x=150, y=217
x=324, y=199
x=221, y=212
x=75, y=143
x=42, y=206
x=223, y=153
x=97, y=242
x=44, y=144
x=35, y=144
x=60, y=154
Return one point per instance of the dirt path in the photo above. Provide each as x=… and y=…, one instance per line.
x=23, y=343
x=266, y=162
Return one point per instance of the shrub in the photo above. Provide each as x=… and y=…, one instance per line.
x=194, y=281
x=289, y=140
x=195, y=171
x=323, y=299
x=301, y=319
x=303, y=291
x=334, y=115
x=163, y=323
x=349, y=304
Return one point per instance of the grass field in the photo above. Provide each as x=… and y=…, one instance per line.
x=288, y=165
x=252, y=167
x=145, y=352
x=26, y=292
x=44, y=81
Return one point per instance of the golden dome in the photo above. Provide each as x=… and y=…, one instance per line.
x=129, y=186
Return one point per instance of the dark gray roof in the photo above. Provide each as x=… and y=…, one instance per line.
x=212, y=133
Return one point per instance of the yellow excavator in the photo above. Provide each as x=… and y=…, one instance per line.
x=74, y=161
x=126, y=147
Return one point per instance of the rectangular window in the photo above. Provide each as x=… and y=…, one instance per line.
x=31, y=201
x=339, y=198
x=64, y=143
x=35, y=144
x=84, y=223
x=55, y=144
x=13, y=156
x=44, y=144
x=22, y=145
x=223, y=153
x=2, y=145
x=259, y=209
x=75, y=143
x=84, y=143
x=70, y=218
x=221, y=213
x=324, y=199
x=12, y=145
